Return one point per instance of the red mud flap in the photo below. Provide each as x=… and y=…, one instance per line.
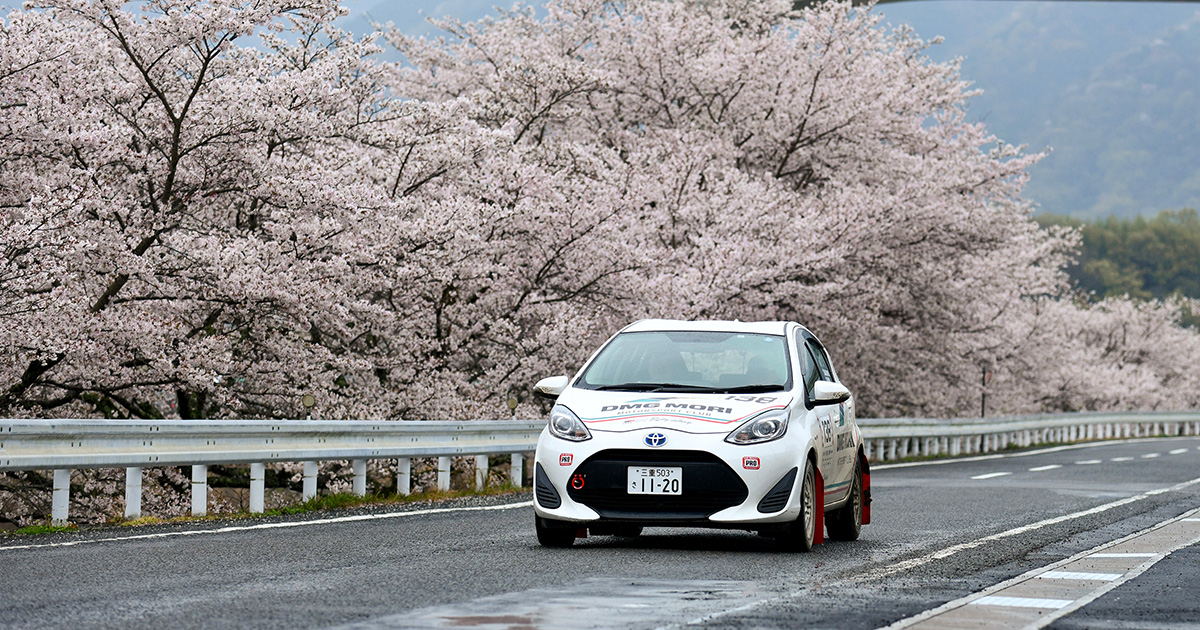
x=819, y=521
x=866, y=490
x=581, y=532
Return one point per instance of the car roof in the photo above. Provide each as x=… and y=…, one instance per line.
x=757, y=328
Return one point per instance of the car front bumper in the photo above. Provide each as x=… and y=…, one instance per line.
x=723, y=485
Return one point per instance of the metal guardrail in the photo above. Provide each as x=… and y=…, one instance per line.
x=63, y=445
x=889, y=439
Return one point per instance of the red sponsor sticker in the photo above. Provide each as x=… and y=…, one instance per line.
x=750, y=463
x=565, y=459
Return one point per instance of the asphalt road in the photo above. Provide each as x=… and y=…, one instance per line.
x=941, y=532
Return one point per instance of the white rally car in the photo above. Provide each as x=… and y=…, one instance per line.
x=702, y=424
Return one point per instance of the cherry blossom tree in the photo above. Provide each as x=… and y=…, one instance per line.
x=792, y=165
x=209, y=208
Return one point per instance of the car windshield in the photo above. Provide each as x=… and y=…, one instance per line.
x=701, y=362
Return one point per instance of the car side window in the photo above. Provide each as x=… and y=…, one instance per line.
x=822, y=361
x=812, y=373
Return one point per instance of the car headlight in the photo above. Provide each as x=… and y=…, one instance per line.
x=766, y=426
x=567, y=425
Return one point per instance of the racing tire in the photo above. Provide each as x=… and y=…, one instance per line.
x=845, y=523
x=549, y=535
x=800, y=534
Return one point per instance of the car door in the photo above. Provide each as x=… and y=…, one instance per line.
x=839, y=461
x=825, y=415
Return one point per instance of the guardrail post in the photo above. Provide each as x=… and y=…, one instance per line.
x=443, y=474
x=481, y=471
x=516, y=472
x=403, y=476
x=955, y=445
x=310, y=481
x=61, y=499
x=133, y=492
x=359, y=486
x=199, y=489
x=258, y=487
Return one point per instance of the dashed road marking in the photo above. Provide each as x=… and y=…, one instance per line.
x=940, y=554
x=991, y=475
x=1047, y=467
x=1151, y=455
x=1178, y=451
x=1081, y=575
x=1121, y=459
x=1088, y=462
x=1022, y=602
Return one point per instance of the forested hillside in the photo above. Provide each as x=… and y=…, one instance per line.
x=1111, y=88
x=1141, y=258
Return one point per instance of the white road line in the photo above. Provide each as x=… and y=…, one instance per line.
x=991, y=475
x=1121, y=459
x=1192, y=520
x=1047, y=467
x=1071, y=605
x=1178, y=451
x=1151, y=455
x=1081, y=575
x=1022, y=602
x=908, y=565
x=244, y=528
x=1088, y=462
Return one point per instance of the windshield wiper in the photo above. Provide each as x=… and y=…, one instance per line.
x=752, y=389
x=656, y=387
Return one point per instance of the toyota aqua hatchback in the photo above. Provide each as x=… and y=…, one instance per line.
x=702, y=424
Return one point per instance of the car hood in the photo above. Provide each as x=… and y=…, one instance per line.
x=692, y=413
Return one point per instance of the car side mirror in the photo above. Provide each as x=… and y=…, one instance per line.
x=551, y=387
x=829, y=393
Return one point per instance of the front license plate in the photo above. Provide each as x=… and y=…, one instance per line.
x=655, y=480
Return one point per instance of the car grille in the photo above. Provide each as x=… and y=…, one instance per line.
x=709, y=486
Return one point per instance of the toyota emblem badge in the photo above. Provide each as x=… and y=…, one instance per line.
x=655, y=440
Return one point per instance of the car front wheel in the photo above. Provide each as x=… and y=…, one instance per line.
x=800, y=534
x=845, y=523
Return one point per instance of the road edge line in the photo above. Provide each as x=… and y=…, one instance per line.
x=242, y=528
